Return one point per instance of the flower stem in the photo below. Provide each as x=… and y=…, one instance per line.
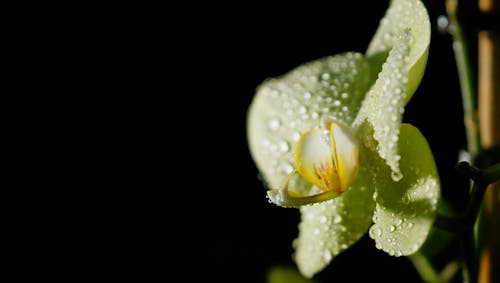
x=424, y=268
x=456, y=12
x=467, y=82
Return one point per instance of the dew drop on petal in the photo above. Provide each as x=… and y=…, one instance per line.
x=286, y=167
x=323, y=219
x=336, y=219
x=314, y=115
x=396, y=176
x=327, y=256
x=273, y=124
x=414, y=247
x=283, y=146
x=302, y=110
x=375, y=232
x=307, y=95
x=273, y=147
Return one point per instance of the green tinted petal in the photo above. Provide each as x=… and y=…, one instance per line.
x=286, y=107
x=328, y=228
x=405, y=210
x=284, y=274
x=403, y=15
x=383, y=106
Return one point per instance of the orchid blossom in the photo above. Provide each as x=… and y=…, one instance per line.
x=328, y=138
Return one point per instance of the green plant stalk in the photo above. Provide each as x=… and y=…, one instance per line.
x=471, y=121
x=424, y=268
x=466, y=79
x=468, y=237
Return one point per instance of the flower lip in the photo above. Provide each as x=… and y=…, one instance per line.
x=327, y=159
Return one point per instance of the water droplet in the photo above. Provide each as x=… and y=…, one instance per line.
x=302, y=110
x=443, y=24
x=273, y=147
x=325, y=76
x=286, y=167
x=392, y=228
x=396, y=176
x=295, y=136
x=345, y=108
x=316, y=231
x=307, y=95
x=323, y=219
x=337, y=103
x=327, y=256
x=344, y=95
x=406, y=199
x=398, y=253
x=273, y=124
x=283, y=146
x=274, y=93
x=314, y=115
x=414, y=247
x=336, y=219
x=375, y=232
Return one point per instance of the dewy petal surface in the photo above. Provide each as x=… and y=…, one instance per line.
x=383, y=106
x=330, y=227
x=405, y=210
x=403, y=15
x=286, y=107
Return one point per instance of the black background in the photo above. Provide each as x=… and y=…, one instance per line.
x=135, y=122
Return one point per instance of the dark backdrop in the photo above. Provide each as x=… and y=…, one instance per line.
x=139, y=130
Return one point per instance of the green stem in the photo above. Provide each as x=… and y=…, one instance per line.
x=449, y=271
x=464, y=225
x=492, y=174
x=424, y=268
x=468, y=240
x=476, y=199
x=467, y=82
